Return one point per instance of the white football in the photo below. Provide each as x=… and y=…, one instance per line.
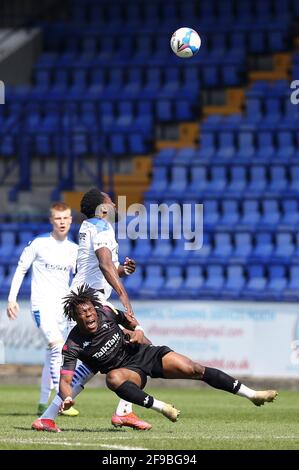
x=185, y=42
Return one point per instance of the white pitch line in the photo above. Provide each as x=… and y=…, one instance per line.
x=112, y=446
x=74, y=444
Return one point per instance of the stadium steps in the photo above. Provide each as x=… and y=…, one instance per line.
x=188, y=134
x=235, y=98
x=280, y=71
x=132, y=185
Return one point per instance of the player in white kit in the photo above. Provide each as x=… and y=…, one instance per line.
x=99, y=267
x=53, y=259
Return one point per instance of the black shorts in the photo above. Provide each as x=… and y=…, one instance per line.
x=147, y=361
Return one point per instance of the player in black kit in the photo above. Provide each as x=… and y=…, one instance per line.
x=122, y=355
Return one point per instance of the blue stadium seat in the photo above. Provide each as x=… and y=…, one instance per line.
x=238, y=180
x=142, y=250
x=284, y=247
x=230, y=213
x=266, y=147
x=278, y=179
x=199, y=182
x=179, y=254
x=191, y=286
x=207, y=147
x=201, y=256
x=178, y=184
x=7, y=245
x=133, y=283
x=153, y=282
x=159, y=182
x=218, y=181
x=226, y=150
x=161, y=251
x=291, y=291
x=257, y=180
x=256, y=284
x=234, y=283
x=222, y=247
x=270, y=213
x=250, y=214
x=264, y=246
x=242, y=247
x=173, y=282
x=214, y=281
x=290, y=214
x=277, y=281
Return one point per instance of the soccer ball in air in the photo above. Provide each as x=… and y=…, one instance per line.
x=185, y=42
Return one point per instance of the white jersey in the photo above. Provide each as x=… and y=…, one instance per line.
x=94, y=233
x=52, y=262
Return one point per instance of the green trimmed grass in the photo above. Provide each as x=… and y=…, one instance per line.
x=209, y=420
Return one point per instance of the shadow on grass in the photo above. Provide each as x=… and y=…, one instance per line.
x=18, y=414
x=104, y=430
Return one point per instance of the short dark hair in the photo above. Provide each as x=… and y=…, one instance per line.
x=71, y=301
x=90, y=202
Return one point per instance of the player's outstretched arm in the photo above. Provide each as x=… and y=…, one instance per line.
x=65, y=391
x=112, y=277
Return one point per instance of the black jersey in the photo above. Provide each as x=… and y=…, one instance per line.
x=103, y=350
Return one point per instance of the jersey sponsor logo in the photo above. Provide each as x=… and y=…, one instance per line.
x=82, y=236
x=56, y=267
x=107, y=346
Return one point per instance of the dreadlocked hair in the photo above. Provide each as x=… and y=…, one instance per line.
x=84, y=294
x=90, y=202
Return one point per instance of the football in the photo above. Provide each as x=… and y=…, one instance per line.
x=185, y=42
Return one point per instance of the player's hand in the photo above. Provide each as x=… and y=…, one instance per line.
x=12, y=310
x=137, y=337
x=66, y=404
x=129, y=266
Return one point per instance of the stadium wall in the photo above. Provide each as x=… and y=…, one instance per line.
x=248, y=339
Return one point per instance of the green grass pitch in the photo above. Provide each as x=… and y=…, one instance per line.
x=209, y=420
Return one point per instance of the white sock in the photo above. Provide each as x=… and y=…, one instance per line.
x=46, y=381
x=81, y=376
x=55, y=363
x=123, y=408
x=158, y=405
x=246, y=392
x=53, y=409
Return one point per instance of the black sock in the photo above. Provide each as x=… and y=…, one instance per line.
x=218, y=379
x=131, y=392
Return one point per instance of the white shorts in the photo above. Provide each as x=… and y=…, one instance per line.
x=52, y=324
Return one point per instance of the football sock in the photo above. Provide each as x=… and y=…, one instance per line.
x=55, y=362
x=46, y=382
x=131, y=392
x=123, y=408
x=158, y=405
x=218, y=379
x=81, y=375
x=246, y=392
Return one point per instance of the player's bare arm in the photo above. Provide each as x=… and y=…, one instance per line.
x=65, y=390
x=111, y=275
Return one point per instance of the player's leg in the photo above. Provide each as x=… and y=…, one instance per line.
x=128, y=385
x=124, y=415
x=177, y=366
x=46, y=422
x=46, y=386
